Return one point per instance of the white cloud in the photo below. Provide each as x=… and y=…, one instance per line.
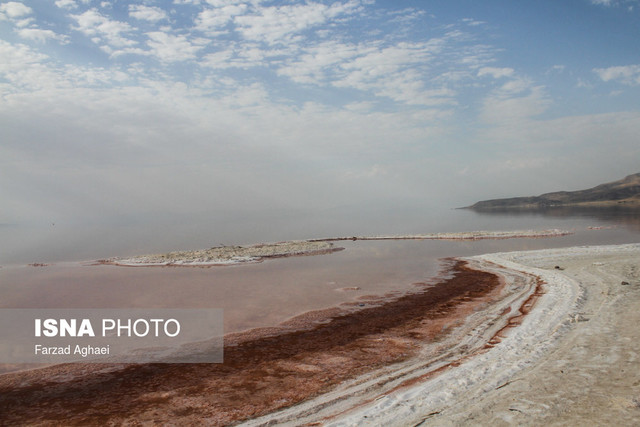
x=21, y=23
x=629, y=74
x=147, y=13
x=423, y=73
x=17, y=57
x=25, y=69
x=253, y=95
x=515, y=102
x=496, y=73
x=66, y=4
x=361, y=107
x=472, y=22
x=244, y=55
x=616, y=3
x=39, y=35
x=223, y=3
x=316, y=63
x=397, y=72
x=93, y=23
x=399, y=100
x=170, y=48
x=559, y=69
x=30, y=72
x=214, y=19
x=220, y=60
x=279, y=24
x=14, y=9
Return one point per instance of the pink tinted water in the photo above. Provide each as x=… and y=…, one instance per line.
x=265, y=294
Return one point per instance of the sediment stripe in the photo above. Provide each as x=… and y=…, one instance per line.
x=262, y=372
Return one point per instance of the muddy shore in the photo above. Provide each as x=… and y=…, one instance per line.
x=531, y=338
x=264, y=370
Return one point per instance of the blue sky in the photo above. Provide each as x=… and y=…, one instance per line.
x=111, y=108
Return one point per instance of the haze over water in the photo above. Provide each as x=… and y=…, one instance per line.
x=268, y=293
x=60, y=241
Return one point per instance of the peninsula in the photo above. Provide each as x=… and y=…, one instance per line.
x=625, y=192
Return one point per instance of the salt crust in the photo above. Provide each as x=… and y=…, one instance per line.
x=230, y=255
x=527, y=343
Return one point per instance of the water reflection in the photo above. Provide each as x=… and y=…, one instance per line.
x=627, y=216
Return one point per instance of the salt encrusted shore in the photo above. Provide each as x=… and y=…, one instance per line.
x=230, y=255
x=544, y=337
x=463, y=235
x=572, y=360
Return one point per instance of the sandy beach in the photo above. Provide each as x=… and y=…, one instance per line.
x=536, y=337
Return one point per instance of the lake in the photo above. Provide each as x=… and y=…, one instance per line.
x=265, y=294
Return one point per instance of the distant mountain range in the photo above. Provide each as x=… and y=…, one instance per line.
x=624, y=192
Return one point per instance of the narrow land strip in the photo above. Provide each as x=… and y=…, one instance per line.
x=229, y=255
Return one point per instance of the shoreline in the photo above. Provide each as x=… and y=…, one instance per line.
x=271, y=366
x=512, y=382
x=469, y=356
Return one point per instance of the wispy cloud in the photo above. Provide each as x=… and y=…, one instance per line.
x=24, y=23
x=212, y=21
x=173, y=48
x=629, y=4
x=516, y=101
x=147, y=13
x=296, y=95
x=494, y=72
x=66, y=4
x=101, y=29
x=40, y=35
x=627, y=74
x=281, y=24
x=242, y=56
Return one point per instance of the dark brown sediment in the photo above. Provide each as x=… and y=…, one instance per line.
x=264, y=370
x=516, y=319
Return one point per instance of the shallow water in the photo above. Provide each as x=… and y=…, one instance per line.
x=265, y=294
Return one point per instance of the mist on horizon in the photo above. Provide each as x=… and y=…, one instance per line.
x=118, y=113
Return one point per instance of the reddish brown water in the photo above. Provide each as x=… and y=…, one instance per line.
x=260, y=373
x=265, y=294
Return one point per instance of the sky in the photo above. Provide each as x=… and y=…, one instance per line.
x=115, y=110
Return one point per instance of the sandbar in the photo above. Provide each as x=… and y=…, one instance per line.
x=232, y=255
x=227, y=255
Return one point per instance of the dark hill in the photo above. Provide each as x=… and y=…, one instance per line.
x=623, y=192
